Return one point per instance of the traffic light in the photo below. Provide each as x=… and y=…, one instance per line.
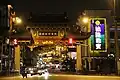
x=15, y=42
x=70, y=41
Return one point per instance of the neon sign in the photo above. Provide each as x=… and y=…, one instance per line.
x=98, y=35
x=98, y=39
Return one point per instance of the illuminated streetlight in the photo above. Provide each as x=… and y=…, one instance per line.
x=17, y=20
x=85, y=20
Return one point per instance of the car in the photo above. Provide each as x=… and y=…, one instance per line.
x=55, y=65
x=36, y=70
x=63, y=68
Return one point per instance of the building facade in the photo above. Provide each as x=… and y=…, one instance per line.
x=5, y=24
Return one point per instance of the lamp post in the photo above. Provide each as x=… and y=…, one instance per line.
x=15, y=20
x=85, y=28
x=83, y=21
x=116, y=40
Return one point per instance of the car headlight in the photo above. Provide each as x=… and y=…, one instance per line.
x=39, y=71
x=30, y=68
x=46, y=70
x=31, y=71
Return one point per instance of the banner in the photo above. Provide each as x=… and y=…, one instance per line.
x=98, y=39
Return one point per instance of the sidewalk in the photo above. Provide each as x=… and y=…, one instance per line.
x=3, y=74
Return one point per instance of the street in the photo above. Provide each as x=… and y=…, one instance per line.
x=62, y=77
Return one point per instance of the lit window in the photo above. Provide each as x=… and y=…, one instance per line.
x=52, y=33
x=42, y=33
x=39, y=33
x=55, y=33
x=45, y=33
x=48, y=33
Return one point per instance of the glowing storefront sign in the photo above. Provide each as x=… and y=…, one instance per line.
x=98, y=39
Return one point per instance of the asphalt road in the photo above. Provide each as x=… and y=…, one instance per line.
x=62, y=77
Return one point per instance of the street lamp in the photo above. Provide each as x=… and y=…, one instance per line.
x=85, y=20
x=17, y=20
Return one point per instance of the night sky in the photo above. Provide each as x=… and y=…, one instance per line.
x=72, y=7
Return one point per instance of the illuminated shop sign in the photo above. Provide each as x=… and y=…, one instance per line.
x=48, y=34
x=98, y=39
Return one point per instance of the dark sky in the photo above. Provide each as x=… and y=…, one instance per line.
x=73, y=7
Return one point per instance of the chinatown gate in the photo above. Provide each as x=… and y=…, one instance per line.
x=53, y=29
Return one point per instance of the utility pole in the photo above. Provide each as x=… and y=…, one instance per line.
x=116, y=40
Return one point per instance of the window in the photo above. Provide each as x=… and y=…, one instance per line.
x=45, y=33
x=55, y=34
x=52, y=33
x=39, y=33
x=112, y=35
x=42, y=33
x=48, y=33
x=112, y=45
x=118, y=35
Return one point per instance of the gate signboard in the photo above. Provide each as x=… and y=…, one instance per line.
x=98, y=39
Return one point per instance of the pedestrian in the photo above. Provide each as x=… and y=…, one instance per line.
x=23, y=72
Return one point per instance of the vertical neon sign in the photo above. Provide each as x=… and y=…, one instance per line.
x=98, y=39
